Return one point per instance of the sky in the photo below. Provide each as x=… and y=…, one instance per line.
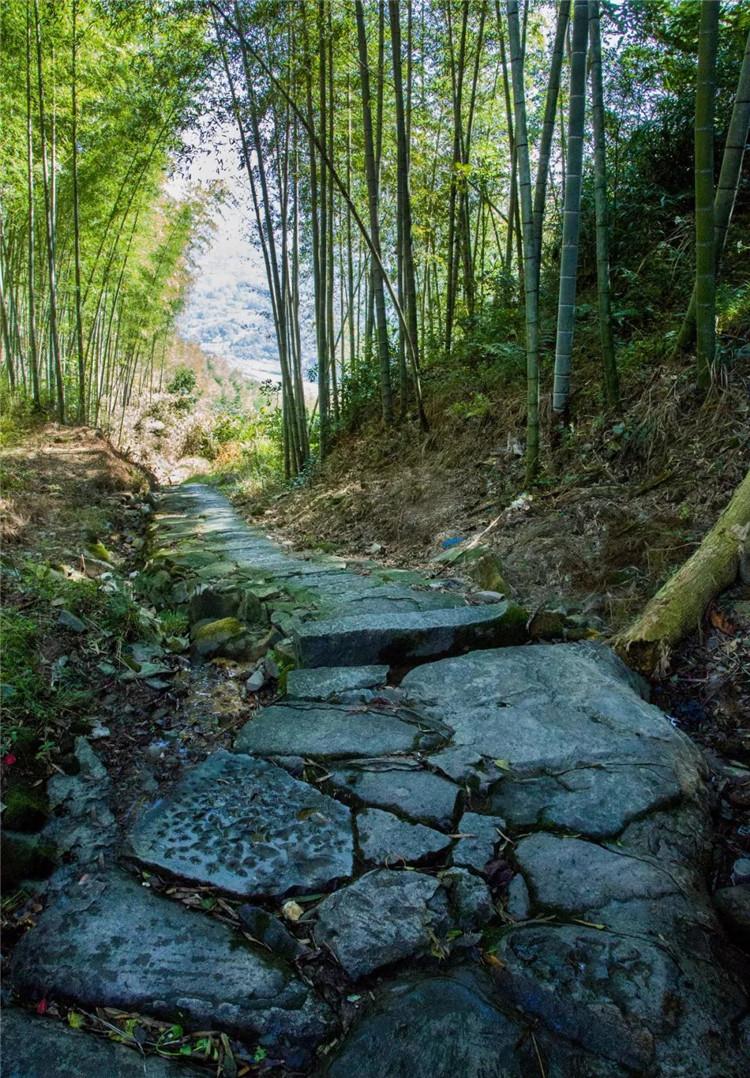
x=228, y=306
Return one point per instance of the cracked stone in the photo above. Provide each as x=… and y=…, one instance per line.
x=479, y=840
x=328, y=731
x=411, y=792
x=384, y=917
x=385, y=839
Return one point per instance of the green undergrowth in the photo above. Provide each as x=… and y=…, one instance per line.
x=64, y=637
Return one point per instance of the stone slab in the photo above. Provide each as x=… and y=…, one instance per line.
x=480, y=837
x=110, y=942
x=596, y=801
x=326, y=683
x=399, y=638
x=385, y=917
x=384, y=839
x=246, y=827
x=44, y=1048
x=327, y=731
x=412, y=792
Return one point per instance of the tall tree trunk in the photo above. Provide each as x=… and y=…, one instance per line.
x=76, y=222
x=548, y=126
x=529, y=247
x=404, y=194
x=609, y=362
x=47, y=182
x=33, y=350
x=726, y=191
x=705, y=264
x=372, y=199
x=571, y=214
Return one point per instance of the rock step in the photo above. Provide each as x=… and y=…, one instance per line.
x=395, y=639
x=110, y=942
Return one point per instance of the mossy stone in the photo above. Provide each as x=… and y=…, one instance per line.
x=25, y=809
x=25, y=857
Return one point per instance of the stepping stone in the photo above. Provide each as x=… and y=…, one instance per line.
x=385, y=839
x=417, y=794
x=598, y=802
x=246, y=827
x=300, y=729
x=573, y=876
x=433, y=1027
x=44, y=1048
x=109, y=942
x=328, y=682
x=480, y=838
x=398, y=638
x=384, y=917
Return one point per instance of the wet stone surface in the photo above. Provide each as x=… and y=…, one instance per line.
x=246, y=827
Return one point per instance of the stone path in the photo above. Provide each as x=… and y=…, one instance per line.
x=500, y=859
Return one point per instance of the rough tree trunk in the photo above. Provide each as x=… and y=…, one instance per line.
x=678, y=607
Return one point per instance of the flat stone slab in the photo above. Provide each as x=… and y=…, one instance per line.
x=384, y=839
x=398, y=638
x=412, y=792
x=44, y=1048
x=110, y=942
x=479, y=839
x=550, y=708
x=247, y=827
x=329, y=731
x=596, y=801
x=575, y=877
x=384, y=917
x=326, y=683
x=433, y=1027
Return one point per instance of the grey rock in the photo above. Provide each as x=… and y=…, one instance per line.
x=247, y=827
x=479, y=839
x=43, y=1048
x=384, y=917
x=326, y=731
x=269, y=930
x=257, y=680
x=109, y=942
x=733, y=904
x=519, y=903
x=550, y=707
x=411, y=792
x=70, y=621
x=741, y=870
x=470, y=899
x=329, y=682
x=396, y=638
x=574, y=876
x=385, y=839
x=82, y=827
x=433, y=1027
x=597, y=801
x=624, y=999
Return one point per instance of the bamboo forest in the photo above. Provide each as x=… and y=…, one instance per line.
x=375, y=538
